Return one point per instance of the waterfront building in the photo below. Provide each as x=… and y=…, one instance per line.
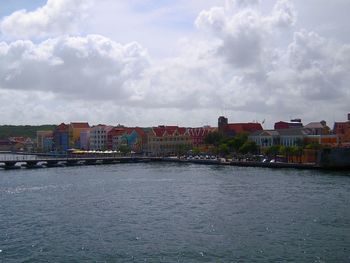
x=317, y=128
x=232, y=129
x=74, y=132
x=85, y=140
x=115, y=138
x=134, y=138
x=329, y=140
x=265, y=138
x=293, y=137
x=61, y=138
x=284, y=137
x=44, y=141
x=198, y=135
x=296, y=123
x=98, y=137
x=167, y=140
x=6, y=145
x=20, y=143
x=342, y=129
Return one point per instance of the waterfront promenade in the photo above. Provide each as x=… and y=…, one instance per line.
x=16, y=162
x=32, y=161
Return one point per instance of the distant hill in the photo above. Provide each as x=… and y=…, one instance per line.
x=23, y=130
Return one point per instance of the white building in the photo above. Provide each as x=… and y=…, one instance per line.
x=98, y=137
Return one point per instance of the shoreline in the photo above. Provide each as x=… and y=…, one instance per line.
x=100, y=160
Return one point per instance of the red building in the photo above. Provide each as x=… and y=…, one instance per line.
x=198, y=135
x=288, y=125
x=342, y=129
x=231, y=129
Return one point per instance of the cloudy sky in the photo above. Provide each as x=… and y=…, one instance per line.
x=184, y=62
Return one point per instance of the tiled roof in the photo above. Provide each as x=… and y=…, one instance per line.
x=80, y=125
x=116, y=132
x=168, y=130
x=201, y=131
x=244, y=127
x=314, y=125
x=62, y=127
x=138, y=130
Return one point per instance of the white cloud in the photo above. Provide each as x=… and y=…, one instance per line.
x=249, y=64
x=91, y=67
x=55, y=18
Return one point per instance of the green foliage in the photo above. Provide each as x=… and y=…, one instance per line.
x=285, y=150
x=296, y=151
x=124, y=149
x=182, y=149
x=213, y=138
x=237, y=142
x=313, y=146
x=25, y=131
x=273, y=150
x=223, y=149
x=196, y=151
x=248, y=147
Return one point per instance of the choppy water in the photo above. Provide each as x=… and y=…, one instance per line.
x=173, y=213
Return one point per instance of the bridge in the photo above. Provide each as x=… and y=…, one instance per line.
x=39, y=162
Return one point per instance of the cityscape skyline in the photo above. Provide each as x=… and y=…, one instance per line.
x=184, y=63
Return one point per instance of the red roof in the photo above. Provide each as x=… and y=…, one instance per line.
x=116, y=132
x=244, y=127
x=181, y=131
x=62, y=127
x=138, y=130
x=169, y=130
x=80, y=125
x=201, y=131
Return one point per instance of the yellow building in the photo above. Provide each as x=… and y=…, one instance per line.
x=75, y=131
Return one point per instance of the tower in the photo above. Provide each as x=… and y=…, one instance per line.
x=222, y=124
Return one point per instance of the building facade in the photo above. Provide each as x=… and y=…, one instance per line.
x=61, y=138
x=232, y=129
x=44, y=141
x=198, y=135
x=168, y=140
x=342, y=129
x=74, y=133
x=99, y=137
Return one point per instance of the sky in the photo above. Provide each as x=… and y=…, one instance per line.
x=184, y=62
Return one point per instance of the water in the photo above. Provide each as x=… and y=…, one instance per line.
x=173, y=213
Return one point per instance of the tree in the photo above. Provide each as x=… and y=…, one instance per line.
x=286, y=151
x=237, y=142
x=248, y=147
x=223, y=149
x=124, y=149
x=213, y=138
x=196, y=151
x=273, y=150
x=313, y=146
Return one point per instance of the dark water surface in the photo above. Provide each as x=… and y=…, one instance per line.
x=174, y=213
